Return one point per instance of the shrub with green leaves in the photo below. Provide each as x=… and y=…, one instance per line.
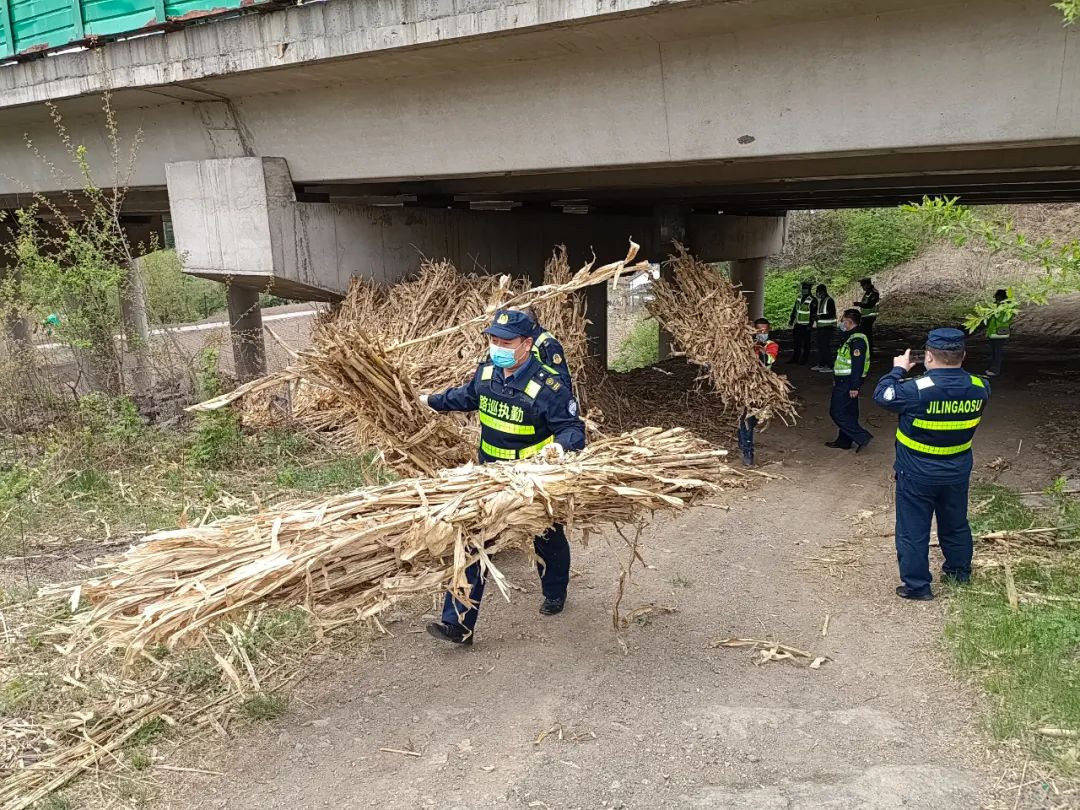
x=641, y=348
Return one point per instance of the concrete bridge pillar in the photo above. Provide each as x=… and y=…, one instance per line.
x=246, y=331
x=672, y=225
x=750, y=275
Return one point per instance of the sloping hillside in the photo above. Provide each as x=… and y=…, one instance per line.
x=944, y=280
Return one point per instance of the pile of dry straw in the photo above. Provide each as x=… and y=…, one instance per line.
x=357, y=553
x=356, y=386
x=707, y=317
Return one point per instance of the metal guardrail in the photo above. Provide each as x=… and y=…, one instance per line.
x=33, y=27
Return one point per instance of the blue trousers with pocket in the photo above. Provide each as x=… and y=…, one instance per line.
x=916, y=503
x=747, y=424
x=845, y=413
x=551, y=547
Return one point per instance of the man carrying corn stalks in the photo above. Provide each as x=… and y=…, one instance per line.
x=527, y=410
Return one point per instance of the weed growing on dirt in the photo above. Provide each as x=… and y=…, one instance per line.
x=1026, y=655
x=996, y=508
x=263, y=707
x=641, y=347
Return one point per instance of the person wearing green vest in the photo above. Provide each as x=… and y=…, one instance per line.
x=825, y=329
x=849, y=370
x=997, y=332
x=803, y=315
x=526, y=411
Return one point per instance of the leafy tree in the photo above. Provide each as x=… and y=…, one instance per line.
x=1070, y=9
x=1060, y=264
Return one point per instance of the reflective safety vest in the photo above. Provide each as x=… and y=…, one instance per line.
x=868, y=304
x=944, y=424
x=997, y=328
x=802, y=314
x=508, y=419
x=842, y=366
x=823, y=308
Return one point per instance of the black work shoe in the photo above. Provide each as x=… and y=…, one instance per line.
x=453, y=633
x=552, y=606
x=748, y=459
x=859, y=447
x=836, y=445
x=904, y=593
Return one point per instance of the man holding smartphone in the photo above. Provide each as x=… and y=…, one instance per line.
x=939, y=413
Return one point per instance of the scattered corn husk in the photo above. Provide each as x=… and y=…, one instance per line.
x=707, y=317
x=767, y=651
x=358, y=553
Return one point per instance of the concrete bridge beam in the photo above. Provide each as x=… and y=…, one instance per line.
x=237, y=220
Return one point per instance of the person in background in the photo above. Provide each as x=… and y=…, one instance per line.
x=824, y=329
x=850, y=369
x=546, y=347
x=802, y=319
x=767, y=351
x=525, y=412
x=939, y=414
x=997, y=332
x=868, y=309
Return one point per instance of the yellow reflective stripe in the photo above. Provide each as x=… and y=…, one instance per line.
x=532, y=450
x=532, y=389
x=961, y=425
x=487, y=372
x=977, y=381
x=544, y=337
x=549, y=369
x=509, y=455
x=497, y=452
x=929, y=448
x=506, y=427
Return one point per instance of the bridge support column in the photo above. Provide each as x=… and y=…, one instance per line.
x=750, y=275
x=246, y=331
x=143, y=234
x=596, y=306
x=672, y=225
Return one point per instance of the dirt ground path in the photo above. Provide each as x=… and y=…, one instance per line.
x=667, y=722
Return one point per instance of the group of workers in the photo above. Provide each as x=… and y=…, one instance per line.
x=814, y=313
x=523, y=392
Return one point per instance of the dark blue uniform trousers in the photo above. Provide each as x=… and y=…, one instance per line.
x=747, y=424
x=916, y=503
x=845, y=413
x=551, y=547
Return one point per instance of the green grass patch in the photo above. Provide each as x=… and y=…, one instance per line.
x=1027, y=660
x=263, y=707
x=640, y=348
x=996, y=508
x=333, y=476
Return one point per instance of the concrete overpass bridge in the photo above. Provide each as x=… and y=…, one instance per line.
x=296, y=148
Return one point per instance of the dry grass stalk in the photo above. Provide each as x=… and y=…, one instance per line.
x=357, y=553
x=707, y=316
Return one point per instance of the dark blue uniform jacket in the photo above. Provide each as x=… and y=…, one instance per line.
x=939, y=414
x=519, y=415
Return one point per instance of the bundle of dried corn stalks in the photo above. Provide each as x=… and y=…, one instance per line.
x=357, y=553
x=707, y=316
x=386, y=345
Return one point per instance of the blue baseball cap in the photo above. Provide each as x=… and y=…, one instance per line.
x=509, y=324
x=948, y=340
